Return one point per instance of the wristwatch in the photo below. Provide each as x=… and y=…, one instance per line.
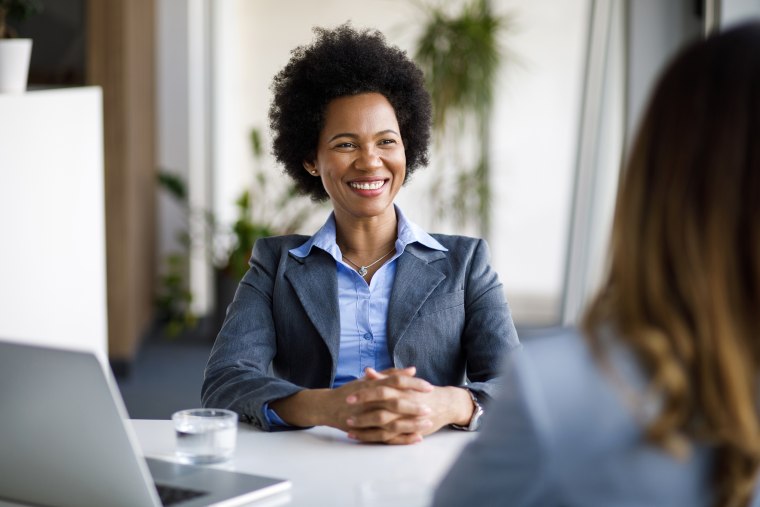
x=477, y=414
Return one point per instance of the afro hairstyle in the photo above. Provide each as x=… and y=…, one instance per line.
x=343, y=62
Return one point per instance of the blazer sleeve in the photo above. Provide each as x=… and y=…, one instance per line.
x=238, y=373
x=488, y=331
x=508, y=462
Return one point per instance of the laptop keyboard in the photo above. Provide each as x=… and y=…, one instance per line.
x=171, y=495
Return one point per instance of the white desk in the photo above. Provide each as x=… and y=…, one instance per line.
x=325, y=467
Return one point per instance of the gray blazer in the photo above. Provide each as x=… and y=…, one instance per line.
x=561, y=433
x=447, y=316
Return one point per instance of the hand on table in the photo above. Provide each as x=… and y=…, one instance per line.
x=382, y=407
x=444, y=406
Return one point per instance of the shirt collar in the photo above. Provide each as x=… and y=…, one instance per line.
x=408, y=233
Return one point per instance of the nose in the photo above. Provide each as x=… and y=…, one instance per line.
x=368, y=159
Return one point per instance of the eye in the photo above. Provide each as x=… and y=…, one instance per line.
x=345, y=146
x=388, y=141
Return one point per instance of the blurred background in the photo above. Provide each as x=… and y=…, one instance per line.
x=528, y=156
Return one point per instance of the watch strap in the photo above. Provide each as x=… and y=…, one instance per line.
x=477, y=413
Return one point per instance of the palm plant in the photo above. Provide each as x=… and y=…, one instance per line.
x=460, y=56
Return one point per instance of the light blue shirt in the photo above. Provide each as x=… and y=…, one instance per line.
x=363, y=306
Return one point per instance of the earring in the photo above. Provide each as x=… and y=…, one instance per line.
x=314, y=172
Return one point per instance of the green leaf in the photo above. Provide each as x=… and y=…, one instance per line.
x=173, y=184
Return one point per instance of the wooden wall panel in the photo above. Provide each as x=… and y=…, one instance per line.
x=121, y=49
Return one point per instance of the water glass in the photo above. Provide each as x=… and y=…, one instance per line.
x=205, y=435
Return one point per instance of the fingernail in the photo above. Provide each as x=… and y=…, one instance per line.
x=351, y=399
x=350, y=421
x=352, y=436
x=417, y=439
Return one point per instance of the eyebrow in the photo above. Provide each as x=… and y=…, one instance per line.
x=354, y=136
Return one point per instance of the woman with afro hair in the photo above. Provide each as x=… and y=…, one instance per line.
x=371, y=325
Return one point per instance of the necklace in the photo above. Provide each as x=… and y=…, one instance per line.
x=362, y=270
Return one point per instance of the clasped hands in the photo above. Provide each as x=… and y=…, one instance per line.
x=392, y=406
x=395, y=407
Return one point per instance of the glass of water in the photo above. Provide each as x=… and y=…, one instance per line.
x=205, y=435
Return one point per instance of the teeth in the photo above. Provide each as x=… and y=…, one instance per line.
x=367, y=185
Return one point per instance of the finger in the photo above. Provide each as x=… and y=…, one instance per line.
x=404, y=406
x=387, y=389
x=406, y=382
x=405, y=439
x=381, y=436
x=374, y=435
x=409, y=371
x=410, y=425
x=376, y=393
x=372, y=374
x=372, y=419
x=392, y=421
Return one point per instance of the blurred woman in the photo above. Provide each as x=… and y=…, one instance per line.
x=656, y=403
x=371, y=325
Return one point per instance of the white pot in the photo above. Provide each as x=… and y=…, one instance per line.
x=14, y=64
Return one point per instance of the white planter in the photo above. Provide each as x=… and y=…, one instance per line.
x=14, y=64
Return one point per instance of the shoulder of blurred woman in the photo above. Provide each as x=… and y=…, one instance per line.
x=590, y=419
x=574, y=386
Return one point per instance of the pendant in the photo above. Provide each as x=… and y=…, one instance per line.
x=362, y=270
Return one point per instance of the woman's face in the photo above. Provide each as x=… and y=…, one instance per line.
x=360, y=156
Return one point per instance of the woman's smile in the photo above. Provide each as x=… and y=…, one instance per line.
x=368, y=188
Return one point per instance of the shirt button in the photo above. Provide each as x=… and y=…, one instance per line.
x=367, y=336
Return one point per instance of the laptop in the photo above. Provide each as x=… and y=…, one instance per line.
x=65, y=441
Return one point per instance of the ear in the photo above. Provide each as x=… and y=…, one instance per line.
x=311, y=167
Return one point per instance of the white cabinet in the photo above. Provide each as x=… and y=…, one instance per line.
x=52, y=219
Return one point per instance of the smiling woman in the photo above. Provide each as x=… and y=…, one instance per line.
x=371, y=325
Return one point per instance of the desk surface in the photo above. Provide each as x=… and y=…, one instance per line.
x=325, y=467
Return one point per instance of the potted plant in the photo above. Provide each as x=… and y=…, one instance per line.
x=265, y=209
x=15, y=53
x=268, y=208
x=173, y=296
x=461, y=54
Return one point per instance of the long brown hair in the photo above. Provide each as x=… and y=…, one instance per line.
x=683, y=287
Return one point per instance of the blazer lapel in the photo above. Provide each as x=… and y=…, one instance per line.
x=315, y=283
x=415, y=281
